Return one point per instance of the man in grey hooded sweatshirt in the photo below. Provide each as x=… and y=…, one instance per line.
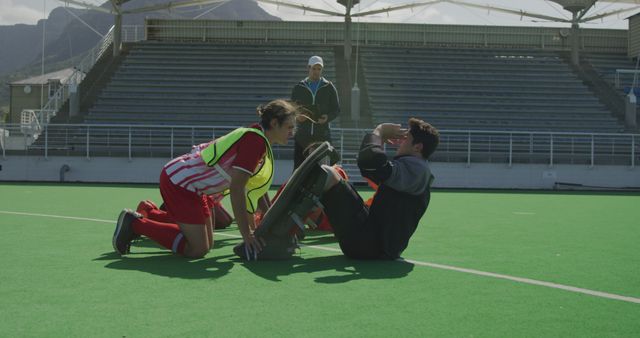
x=383, y=230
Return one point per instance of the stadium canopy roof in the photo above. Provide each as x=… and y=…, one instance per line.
x=579, y=8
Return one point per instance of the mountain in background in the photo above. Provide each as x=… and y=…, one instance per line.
x=22, y=43
x=76, y=37
x=67, y=37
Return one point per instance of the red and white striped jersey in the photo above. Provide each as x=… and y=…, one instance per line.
x=192, y=173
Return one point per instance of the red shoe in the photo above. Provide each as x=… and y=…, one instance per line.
x=153, y=205
x=144, y=207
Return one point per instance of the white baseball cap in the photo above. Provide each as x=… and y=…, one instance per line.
x=315, y=60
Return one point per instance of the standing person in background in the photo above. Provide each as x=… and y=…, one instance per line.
x=319, y=98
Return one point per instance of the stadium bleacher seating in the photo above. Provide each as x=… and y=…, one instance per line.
x=481, y=89
x=477, y=89
x=201, y=83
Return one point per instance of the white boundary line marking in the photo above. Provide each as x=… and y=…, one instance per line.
x=426, y=264
x=57, y=216
x=527, y=281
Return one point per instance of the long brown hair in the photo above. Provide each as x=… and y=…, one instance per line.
x=279, y=109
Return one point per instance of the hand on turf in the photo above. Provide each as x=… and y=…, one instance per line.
x=253, y=246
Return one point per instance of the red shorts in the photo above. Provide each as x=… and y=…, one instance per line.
x=186, y=207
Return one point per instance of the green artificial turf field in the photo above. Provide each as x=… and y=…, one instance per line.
x=482, y=264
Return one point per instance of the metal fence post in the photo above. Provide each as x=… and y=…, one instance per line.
x=469, y=149
x=4, y=141
x=87, y=155
x=129, y=144
x=46, y=142
x=171, y=151
x=510, y=149
x=551, y=151
x=342, y=141
x=592, y=151
x=633, y=151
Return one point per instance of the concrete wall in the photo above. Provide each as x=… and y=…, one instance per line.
x=97, y=169
x=448, y=175
x=532, y=176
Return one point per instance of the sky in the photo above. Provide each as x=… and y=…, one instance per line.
x=29, y=11
x=24, y=11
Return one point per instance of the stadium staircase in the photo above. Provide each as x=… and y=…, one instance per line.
x=615, y=86
x=482, y=89
x=92, y=85
x=600, y=87
x=606, y=65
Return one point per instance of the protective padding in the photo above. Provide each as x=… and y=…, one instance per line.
x=300, y=194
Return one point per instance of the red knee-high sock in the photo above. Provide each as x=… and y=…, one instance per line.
x=166, y=234
x=160, y=216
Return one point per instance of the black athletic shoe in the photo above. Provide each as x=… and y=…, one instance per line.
x=123, y=235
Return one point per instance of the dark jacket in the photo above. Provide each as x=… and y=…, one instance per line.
x=325, y=102
x=403, y=194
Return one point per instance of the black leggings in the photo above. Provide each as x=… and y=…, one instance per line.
x=349, y=217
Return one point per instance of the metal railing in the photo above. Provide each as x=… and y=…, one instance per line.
x=382, y=34
x=96, y=52
x=550, y=148
x=133, y=33
x=619, y=72
x=42, y=116
x=30, y=122
x=461, y=146
x=50, y=109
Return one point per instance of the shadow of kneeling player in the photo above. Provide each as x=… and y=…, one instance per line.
x=163, y=263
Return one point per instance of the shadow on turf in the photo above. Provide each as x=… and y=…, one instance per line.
x=164, y=263
x=347, y=269
x=144, y=242
x=315, y=237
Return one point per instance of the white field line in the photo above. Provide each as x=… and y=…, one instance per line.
x=410, y=261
